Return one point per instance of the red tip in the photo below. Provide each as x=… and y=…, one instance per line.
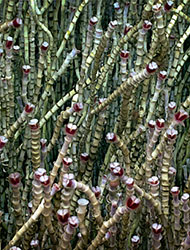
x=33, y=124
x=71, y=129
x=153, y=181
x=160, y=123
x=157, y=228
x=147, y=25
x=124, y=54
x=151, y=67
x=127, y=28
x=78, y=107
x=9, y=42
x=171, y=133
x=130, y=182
x=84, y=157
x=3, y=141
x=97, y=191
x=26, y=69
x=67, y=161
x=73, y=221
x=181, y=116
x=93, y=21
x=118, y=171
x=44, y=46
x=132, y=203
x=63, y=216
x=162, y=75
x=111, y=137
x=168, y=6
x=38, y=173
x=14, y=179
x=151, y=124
x=17, y=22
x=172, y=105
x=175, y=191
x=45, y=180
x=29, y=108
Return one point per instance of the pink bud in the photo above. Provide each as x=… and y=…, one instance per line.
x=70, y=129
x=33, y=124
x=151, y=67
x=84, y=157
x=172, y=105
x=45, y=180
x=63, y=216
x=168, y=6
x=162, y=75
x=69, y=181
x=67, y=161
x=29, y=108
x=56, y=188
x=132, y=202
x=17, y=22
x=157, y=7
x=160, y=123
x=175, y=191
x=157, y=228
x=43, y=143
x=111, y=137
x=118, y=171
x=73, y=221
x=14, y=179
x=151, y=124
x=113, y=24
x=97, y=191
x=114, y=165
x=147, y=25
x=78, y=107
x=153, y=181
x=9, y=42
x=130, y=182
x=93, y=21
x=171, y=133
x=26, y=69
x=181, y=116
x=3, y=141
x=38, y=173
x=44, y=46
x=127, y=28
x=124, y=54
